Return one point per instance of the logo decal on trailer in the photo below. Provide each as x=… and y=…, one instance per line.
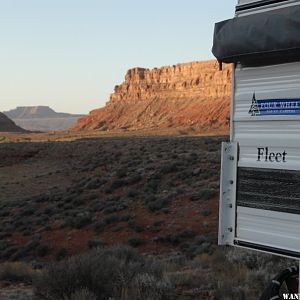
x=254, y=110
x=274, y=107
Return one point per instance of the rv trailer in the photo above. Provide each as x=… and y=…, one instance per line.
x=260, y=173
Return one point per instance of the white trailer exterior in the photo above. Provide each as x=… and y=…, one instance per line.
x=260, y=176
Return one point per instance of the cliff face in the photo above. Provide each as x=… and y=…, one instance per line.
x=185, y=95
x=7, y=125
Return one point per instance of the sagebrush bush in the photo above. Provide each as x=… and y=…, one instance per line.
x=82, y=294
x=118, y=273
x=207, y=194
x=135, y=241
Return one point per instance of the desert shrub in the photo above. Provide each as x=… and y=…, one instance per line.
x=49, y=211
x=249, y=271
x=135, y=241
x=81, y=220
x=117, y=228
x=95, y=244
x=187, y=233
x=149, y=198
x=5, y=212
x=134, y=179
x=168, y=168
x=206, y=212
x=99, y=227
x=116, y=184
x=158, y=223
x=8, y=252
x=157, y=205
x=43, y=250
x=173, y=239
x=108, y=273
x=20, y=254
x=153, y=185
x=132, y=194
x=146, y=286
x=136, y=227
x=77, y=201
x=125, y=218
x=16, y=272
x=165, y=210
x=28, y=211
x=205, y=238
x=47, y=227
x=97, y=206
x=61, y=254
x=109, y=210
x=111, y=219
x=94, y=183
x=121, y=173
x=207, y=194
x=82, y=294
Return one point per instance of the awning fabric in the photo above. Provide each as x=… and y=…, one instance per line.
x=269, y=35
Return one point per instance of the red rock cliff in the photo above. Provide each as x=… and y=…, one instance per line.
x=192, y=94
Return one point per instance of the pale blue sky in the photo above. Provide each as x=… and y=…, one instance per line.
x=69, y=54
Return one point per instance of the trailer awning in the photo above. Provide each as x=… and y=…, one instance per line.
x=263, y=36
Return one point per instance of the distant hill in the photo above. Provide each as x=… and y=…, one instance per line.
x=7, y=125
x=41, y=118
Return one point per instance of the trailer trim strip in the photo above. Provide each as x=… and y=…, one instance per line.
x=257, y=4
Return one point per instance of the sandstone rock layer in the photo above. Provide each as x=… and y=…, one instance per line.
x=192, y=94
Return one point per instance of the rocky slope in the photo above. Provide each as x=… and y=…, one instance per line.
x=7, y=125
x=41, y=118
x=192, y=94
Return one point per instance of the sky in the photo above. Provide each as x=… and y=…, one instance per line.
x=69, y=54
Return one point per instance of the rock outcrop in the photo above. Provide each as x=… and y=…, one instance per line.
x=41, y=118
x=7, y=125
x=192, y=94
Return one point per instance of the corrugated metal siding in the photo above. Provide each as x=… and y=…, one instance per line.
x=273, y=229
x=248, y=157
x=278, y=133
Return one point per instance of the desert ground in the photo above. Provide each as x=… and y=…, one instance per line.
x=62, y=197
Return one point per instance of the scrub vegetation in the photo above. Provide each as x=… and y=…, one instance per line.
x=67, y=207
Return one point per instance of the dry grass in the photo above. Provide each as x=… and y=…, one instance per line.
x=16, y=272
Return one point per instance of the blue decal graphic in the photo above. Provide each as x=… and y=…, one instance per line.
x=274, y=107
